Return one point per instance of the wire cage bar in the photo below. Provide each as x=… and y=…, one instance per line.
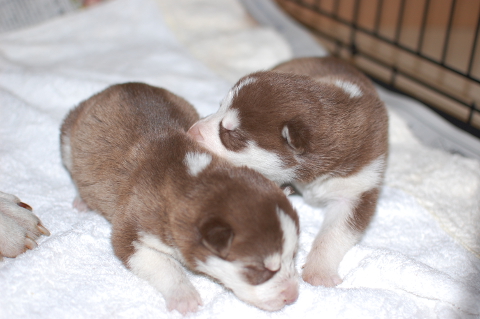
x=427, y=49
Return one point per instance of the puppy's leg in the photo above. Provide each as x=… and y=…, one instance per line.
x=345, y=221
x=66, y=153
x=148, y=258
x=19, y=227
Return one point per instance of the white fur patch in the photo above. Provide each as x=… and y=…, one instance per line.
x=267, y=163
x=286, y=135
x=149, y=241
x=273, y=262
x=245, y=82
x=349, y=188
x=155, y=243
x=330, y=246
x=231, y=120
x=350, y=88
x=197, y=162
x=147, y=261
x=158, y=264
x=66, y=151
x=227, y=101
x=270, y=294
x=290, y=235
x=336, y=236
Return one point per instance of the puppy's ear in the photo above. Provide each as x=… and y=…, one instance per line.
x=217, y=236
x=296, y=135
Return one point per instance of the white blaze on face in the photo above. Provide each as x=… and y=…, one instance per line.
x=227, y=101
x=231, y=121
x=273, y=294
x=207, y=132
x=273, y=262
x=197, y=162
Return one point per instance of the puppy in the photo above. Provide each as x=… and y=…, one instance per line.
x=318, y=124
x=173, y=204
x=19, y=227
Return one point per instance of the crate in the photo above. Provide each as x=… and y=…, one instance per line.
x=423, y=48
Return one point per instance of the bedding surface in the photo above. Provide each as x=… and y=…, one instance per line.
x=418, y=259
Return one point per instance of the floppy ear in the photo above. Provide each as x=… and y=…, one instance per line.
x=217, y=236
x=296, y=135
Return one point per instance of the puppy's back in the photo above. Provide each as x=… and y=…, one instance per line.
x=325, y=69
x=142, y=107
x=316, y=66
x=127, y=118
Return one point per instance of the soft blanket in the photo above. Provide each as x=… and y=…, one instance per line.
x=418, y=259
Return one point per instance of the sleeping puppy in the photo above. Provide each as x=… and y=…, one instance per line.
x=172, y=204
x=19, y=227
x=318, y=124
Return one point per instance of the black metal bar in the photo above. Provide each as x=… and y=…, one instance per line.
x=378, y=16
x=470, y=115
x=356, y=9
x=447, y=33
x=474, y=47
x=336, y=8
x=471, y=107
x=398, y=29
x=423, y=27
x=398, y=72
x=386, y=40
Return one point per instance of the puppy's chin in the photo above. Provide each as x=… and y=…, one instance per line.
x=271, y=295
x=287, y=295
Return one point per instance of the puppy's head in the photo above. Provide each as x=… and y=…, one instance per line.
x=247, y=239
x=292, y=127
x=268, y=121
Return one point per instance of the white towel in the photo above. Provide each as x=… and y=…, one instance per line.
x=406, y=266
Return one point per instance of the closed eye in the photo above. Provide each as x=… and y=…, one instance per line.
x=233, y=140
x=257, y=275
x=222, y=124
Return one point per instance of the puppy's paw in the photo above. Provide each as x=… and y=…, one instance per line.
x=19, y=227
x=184, y=298
x=316, y=276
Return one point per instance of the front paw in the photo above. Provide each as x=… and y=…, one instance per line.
x=184, y=298
x=315, y=276
x=19, y=227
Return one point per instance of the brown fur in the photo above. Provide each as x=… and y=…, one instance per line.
x=325, y=130
x=351, y=135
x=330, y=134
x=128, y=144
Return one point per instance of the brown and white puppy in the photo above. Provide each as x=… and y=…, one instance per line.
x=319, y=124
x=173, y=204
x=19, y=227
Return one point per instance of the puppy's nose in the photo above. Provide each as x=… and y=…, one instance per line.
x=195, y=133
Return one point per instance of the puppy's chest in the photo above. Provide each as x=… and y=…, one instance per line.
x=326, y=188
